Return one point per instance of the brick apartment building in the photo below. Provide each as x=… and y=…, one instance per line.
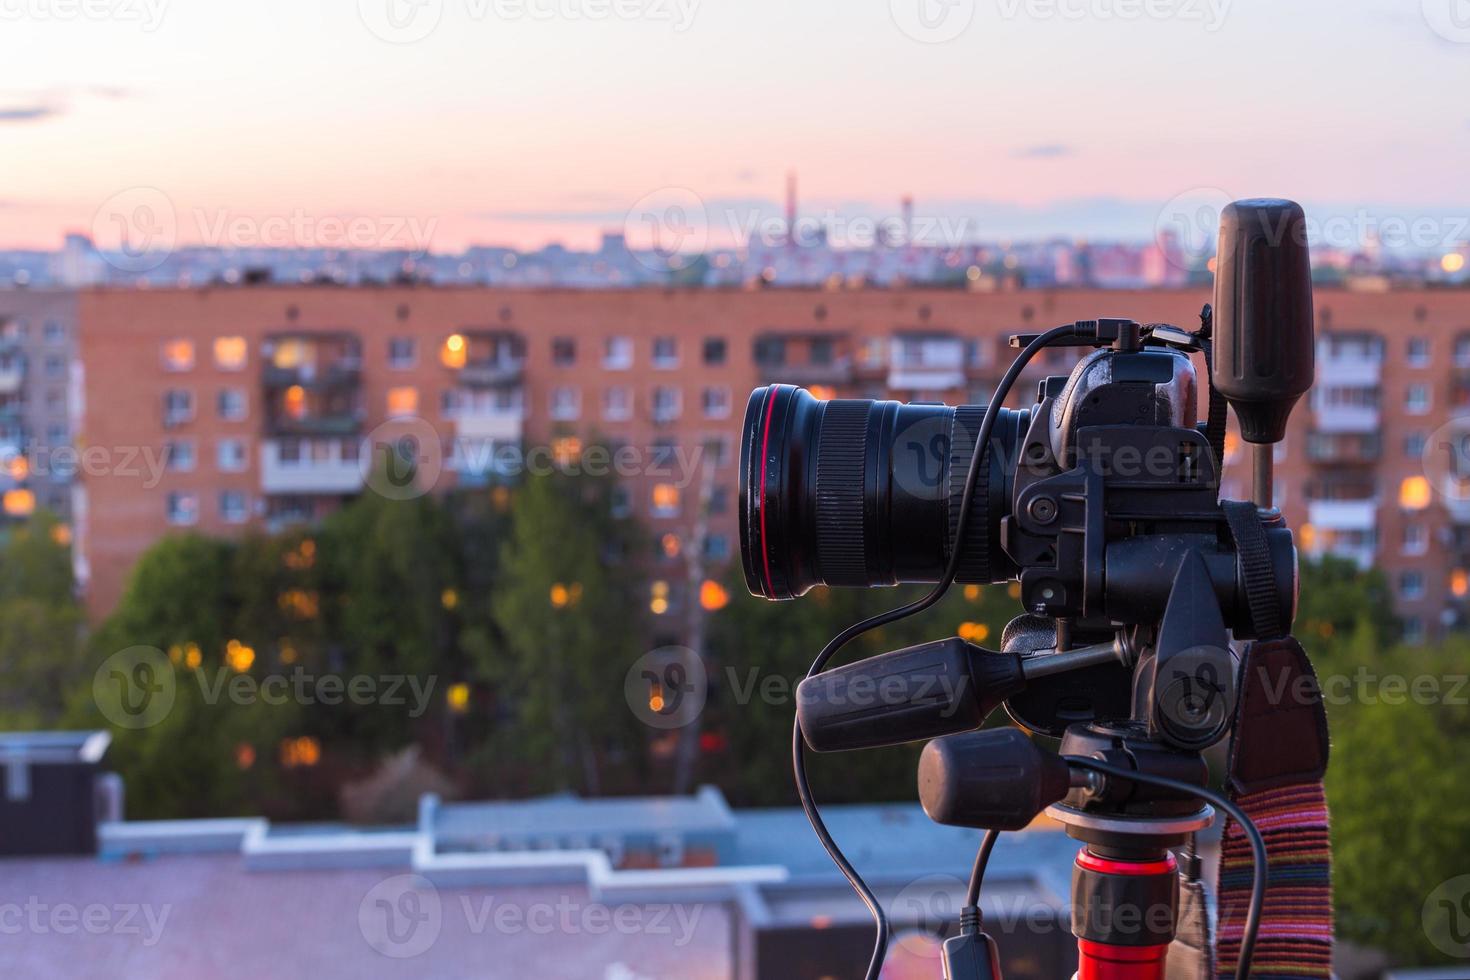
x=37, y=356
x=248, y=406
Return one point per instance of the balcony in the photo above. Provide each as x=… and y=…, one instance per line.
x=346, y=372
x=1351, y=448
x=923, y=362
x=330, y=424
x=1350, y=360
x=1343, y=515
x=12, y=376
x=501, y=426
x=493, y=374
x=309, y=467
x=838, y=371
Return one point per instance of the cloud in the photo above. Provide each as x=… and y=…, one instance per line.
x=27, y=113
x=1044, y=151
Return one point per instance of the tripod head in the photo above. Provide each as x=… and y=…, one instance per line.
x=1102, y=501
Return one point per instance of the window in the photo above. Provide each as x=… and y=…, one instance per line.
x=55, y=400
x=403, y=400
x=1413, y=629
x=230, y=455
x=1411, y=585
x=715, y=351
x=232, y=507
x=666, y=403
x=182, y=508
x=622, y=501
x=178, y=355
x=402, y=353
x=717, y=547
x=663, y=456
x=230, y=353
x=178, y=406
x=822, y=350
x=566, y=403
x=57, y=435
x=716, y=403
x=617, y=403
x=231, y=404
x=178, y=455
x=770, y=351
x=55, y=366
x=1416, y=399
x=1414, y=444
x=55, y=333
x=665, y=352
x=665, y=500
x=1416, y=539
x=617, y=353
x=1418, y=351
x=717, y=450
x=563, y=351
x=719, y=500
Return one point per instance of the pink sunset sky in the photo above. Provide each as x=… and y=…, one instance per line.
x=527, y=121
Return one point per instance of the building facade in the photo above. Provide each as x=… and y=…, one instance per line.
x=253, y=406
x=37, y=358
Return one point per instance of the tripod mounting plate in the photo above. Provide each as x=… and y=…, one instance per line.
x=1112, y=823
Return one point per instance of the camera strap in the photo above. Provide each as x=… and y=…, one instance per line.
x=1278, y=758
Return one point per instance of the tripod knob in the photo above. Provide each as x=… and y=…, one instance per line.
x=997, y=779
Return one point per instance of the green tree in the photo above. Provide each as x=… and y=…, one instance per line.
x=564, y=606
x=40, y=625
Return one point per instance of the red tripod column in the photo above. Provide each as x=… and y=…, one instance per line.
x=1123, y=913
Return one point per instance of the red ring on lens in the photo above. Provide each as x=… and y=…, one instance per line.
x=765, y=455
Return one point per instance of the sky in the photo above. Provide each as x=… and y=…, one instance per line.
x=523, y=122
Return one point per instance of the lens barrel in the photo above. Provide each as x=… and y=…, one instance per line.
x=854, y=492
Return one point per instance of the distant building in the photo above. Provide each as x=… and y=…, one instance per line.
x=37, y=358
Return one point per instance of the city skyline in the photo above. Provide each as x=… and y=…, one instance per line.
x=989, y=115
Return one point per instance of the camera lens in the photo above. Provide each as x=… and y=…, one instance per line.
x=854, y=492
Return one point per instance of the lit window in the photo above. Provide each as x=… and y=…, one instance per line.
x=566, y=449
x=1414, y=493
x=403, y=400
x=293, y=402
x=713, y=596
x=1460, y=583
x=455, y=351
x=229, y=353
x=20, y=502
x=665, y=500
x=182, y=508
x=669, y=544
x=178, y=355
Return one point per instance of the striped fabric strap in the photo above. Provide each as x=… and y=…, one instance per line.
x=1278, y=758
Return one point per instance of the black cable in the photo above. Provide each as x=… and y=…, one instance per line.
x=982, y=861
x=1258, y=844
x=798, y=744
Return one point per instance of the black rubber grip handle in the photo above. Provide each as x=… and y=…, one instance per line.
x=908, y=695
